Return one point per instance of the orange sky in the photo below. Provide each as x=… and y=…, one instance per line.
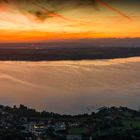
x=107, y=20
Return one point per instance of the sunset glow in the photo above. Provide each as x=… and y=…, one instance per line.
x=50, y=20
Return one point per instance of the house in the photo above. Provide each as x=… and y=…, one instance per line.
x=73, y=137
x=37, y=128
x=73, y=124
x=60, y=126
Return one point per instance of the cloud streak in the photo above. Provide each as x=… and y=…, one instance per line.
x=44, y=9
x=47, y=19
x=113, y=9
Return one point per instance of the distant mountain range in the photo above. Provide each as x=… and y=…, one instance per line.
x=86, y=49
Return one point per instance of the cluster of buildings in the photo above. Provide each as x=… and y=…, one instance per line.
x=39, y=128
x=32, y=125
x=47, y=130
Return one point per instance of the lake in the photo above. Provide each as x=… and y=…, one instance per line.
x=71, y=87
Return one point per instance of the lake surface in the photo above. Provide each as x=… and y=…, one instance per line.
x=71, y=86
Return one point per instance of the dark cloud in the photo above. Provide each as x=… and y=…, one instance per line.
x=43, y=9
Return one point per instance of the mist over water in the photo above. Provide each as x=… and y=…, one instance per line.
x=71, y=86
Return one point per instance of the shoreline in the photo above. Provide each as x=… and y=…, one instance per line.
x=67, y=54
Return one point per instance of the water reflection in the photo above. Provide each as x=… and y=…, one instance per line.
x=71, y=86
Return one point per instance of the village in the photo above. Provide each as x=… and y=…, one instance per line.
x=27, y=124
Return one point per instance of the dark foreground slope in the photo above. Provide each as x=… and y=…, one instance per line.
x=66, y=53
x=22, y=123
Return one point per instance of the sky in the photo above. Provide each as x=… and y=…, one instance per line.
x=41, y=20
